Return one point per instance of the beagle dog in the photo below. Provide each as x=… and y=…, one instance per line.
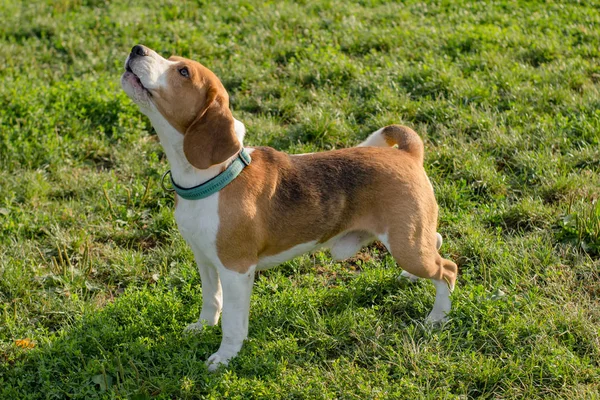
x=280, y=206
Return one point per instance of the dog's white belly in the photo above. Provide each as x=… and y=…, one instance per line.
x=276, y=259
x=344, y=245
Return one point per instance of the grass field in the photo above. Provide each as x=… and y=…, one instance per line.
x=96, y=284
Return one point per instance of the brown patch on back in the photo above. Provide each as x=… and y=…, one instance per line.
x=281, y=201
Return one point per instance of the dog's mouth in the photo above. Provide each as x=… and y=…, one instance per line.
x=136, y=79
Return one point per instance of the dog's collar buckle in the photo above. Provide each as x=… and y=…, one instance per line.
x=162, y=182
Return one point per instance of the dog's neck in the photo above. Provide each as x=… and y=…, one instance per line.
x=184, y=173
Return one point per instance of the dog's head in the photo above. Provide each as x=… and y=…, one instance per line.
x=189, y=97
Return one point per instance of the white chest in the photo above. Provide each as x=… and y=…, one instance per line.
x=198, y=223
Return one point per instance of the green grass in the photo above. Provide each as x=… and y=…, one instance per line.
x=93, y=271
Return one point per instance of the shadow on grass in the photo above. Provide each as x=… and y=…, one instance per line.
x=134, y=347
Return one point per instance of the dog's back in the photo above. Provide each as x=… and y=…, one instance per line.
x=323, y=195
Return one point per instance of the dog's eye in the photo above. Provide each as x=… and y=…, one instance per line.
x=184, y=72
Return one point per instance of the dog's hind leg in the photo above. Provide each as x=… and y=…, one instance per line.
x=413, y=278
x=417, y=254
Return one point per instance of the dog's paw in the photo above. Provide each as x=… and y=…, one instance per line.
x=409, y=276
x=437, y=318
x=215, y=361
x=194, y=328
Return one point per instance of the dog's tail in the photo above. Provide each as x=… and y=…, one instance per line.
x=405, y=138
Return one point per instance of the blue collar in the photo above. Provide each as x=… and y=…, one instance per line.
x=215, y=184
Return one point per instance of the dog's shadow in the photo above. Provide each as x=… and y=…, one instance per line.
x=136, y=346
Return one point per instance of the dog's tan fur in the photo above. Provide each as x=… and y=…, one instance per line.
x=281, y=205
x=284, y=201
x=281, y=201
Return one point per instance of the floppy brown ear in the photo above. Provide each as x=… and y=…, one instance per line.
x=211, y=138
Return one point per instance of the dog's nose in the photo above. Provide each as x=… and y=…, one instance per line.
x=139, y=50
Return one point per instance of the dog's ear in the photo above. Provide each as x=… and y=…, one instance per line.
x=211, y=138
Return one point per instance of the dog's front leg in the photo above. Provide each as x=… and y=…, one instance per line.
x=237, y=288
x=212, y=296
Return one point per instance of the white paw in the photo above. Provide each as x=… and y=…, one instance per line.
x=409, y=276
x=194, y=328
x=215, y=361
x=437, y=318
